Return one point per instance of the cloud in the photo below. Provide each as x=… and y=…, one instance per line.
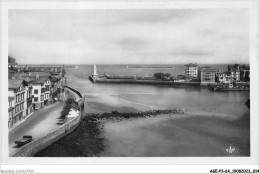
x=131, y=43
x=129, y=36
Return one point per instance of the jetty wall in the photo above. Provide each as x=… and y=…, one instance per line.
x=37, y=145
x=154, y=82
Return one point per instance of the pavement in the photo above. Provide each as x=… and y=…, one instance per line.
x=39, y=124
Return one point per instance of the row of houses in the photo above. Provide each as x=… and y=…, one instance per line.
x=31, y=91
x=207, y=74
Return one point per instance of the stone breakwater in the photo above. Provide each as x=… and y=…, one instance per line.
x=88, y=139
x=119, y=116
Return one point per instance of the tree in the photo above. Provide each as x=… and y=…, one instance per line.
x=167, y=75
x=242, y=75
x=158, y=75
x=216, y=78
x=229, y=67
x=11, y=59
x=162, y=76
x=66, y=108
x=236, y=66
x=63, y=72
x=13, y=68
x=247, y=78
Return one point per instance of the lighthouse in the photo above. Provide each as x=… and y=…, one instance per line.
x=95, y=71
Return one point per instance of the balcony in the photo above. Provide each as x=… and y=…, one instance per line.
x=42, y=90
x=30, y=98
x=20, y=90
x=10, y=108
x=29, y=103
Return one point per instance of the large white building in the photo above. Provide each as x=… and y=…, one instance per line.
x=207, y=75
x=235, y=75
x=41, y=91
x=191, y=70
x=17, y=100
x=224, y=77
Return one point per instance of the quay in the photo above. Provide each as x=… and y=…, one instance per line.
x=56, y=132
x=204, y=77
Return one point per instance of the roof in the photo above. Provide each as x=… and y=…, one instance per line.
x=54, y=73
x=191, y=77
x=11, y=71
x=40, y=80
x=54, y=79
x=207, y=69
x=29, y=78
x=181, y=77
x=14, y=77
x=14, y=83
x=226, y=72
x=10, y=98
x=13, y=63
x=191, y=64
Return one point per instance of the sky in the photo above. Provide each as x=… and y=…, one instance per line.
x=132, y=36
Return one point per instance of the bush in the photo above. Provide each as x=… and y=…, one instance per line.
x=66, y=108
x=161, y=76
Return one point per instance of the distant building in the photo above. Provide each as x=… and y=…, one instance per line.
x=245, y=75
x=235, y=75
x=180, y=78
x=42, y=68
x=235, y=72
x=224, y=77
x=207, y=75
x=191, y=70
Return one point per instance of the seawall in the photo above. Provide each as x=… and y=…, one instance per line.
x=37, y=145
x=152, y=82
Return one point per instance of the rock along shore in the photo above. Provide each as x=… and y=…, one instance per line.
x=87, y=140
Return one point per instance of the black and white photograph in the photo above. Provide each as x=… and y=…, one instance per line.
x=173, y=81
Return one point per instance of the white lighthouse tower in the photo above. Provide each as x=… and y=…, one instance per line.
x=95, y=71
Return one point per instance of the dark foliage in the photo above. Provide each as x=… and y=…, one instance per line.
x=66, y=108
x=161, y=76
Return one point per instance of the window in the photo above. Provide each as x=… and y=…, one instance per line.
x=47, y=87
x=16, y=108
x=36, y=91
x=10, y=103
x=42, y=98
x=35, y=99
x=11, y=114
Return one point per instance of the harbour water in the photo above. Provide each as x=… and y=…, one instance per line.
x=212, y=122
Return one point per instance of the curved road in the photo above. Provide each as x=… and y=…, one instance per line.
x=39, y=124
